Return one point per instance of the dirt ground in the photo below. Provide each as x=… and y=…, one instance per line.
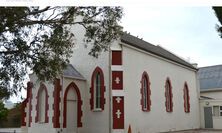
x=199, y=131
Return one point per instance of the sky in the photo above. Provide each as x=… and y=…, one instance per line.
x=186, y=31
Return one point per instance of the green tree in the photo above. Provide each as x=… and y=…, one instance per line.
x=39, y=39
x=3, y=113
x=218, y=13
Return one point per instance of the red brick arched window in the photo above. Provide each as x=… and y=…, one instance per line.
x=145, y=92
x=97, y=90
x=186, y=97
x=169, y=96
x=42, y=105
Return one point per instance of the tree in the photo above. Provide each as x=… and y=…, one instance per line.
x=40, y=39
x=3, y=112
x=218, y=13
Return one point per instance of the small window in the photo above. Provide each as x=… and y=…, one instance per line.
x=42, y=105
x=186, y=98
x=215, y=110
x=97, y=87
x=169, y=96
x=220, y=110
x=42, y=98
x=97, y=90
x=145, y=91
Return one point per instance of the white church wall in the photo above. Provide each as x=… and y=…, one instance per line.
x=93, y=121
x=157, y=120
x=37, y=127
x=212, y=94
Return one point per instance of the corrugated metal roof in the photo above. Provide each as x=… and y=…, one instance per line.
x=71, y=72
x=156, y=50
x=210, y=77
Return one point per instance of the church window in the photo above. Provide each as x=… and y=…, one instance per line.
x=186, y=98
x=169, y=96
x=145, y=92
x=97, y=90
x=42, y=105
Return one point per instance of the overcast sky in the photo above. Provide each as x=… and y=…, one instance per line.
x=186, y=31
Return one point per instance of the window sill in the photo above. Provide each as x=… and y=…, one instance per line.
x=146, y=110
x=97, y=110
x=220, y=117
x=41, y=122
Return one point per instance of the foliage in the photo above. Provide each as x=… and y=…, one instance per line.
x=3, y=112
x=40, y=39
x=218, y=13
x=13, y=118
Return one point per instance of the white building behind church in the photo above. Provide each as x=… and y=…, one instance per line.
x=133, y=85
x=210, y=78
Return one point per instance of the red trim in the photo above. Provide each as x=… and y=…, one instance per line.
x=186, y=98
x=79, y=104
x=117, y=75
x=170, y=107
x=23, y=114
x=56, y=95
x=146, y=77
x=102, y=100
x=116, y=57
x=29, y=92
x=24, y=104
x=118, y=122
x=41, y=88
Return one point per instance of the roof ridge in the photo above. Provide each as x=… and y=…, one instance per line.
x=174, y=54
x=141, y=39
x=151, y=48
x=211, y=66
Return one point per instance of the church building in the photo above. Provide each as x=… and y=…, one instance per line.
x=134, y=86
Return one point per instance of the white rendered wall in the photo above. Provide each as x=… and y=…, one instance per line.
x=212, y=94
x=93, y=121
x=157, y=120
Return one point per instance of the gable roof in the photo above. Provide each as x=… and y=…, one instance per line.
x=210, y=78
x=204, y=97
x=156, y=50
x=71, y=72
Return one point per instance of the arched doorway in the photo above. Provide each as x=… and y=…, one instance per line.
x=71, y=117
x=72, y=108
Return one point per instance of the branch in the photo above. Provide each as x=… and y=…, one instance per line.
x=39, y=11
x=32, y=22
x=9, y=52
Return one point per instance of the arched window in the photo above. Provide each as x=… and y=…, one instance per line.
x=97, y=90
x=97, y=95
x=186, y=98
x=145, y=92
x=169, y=96
x=42, y=105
